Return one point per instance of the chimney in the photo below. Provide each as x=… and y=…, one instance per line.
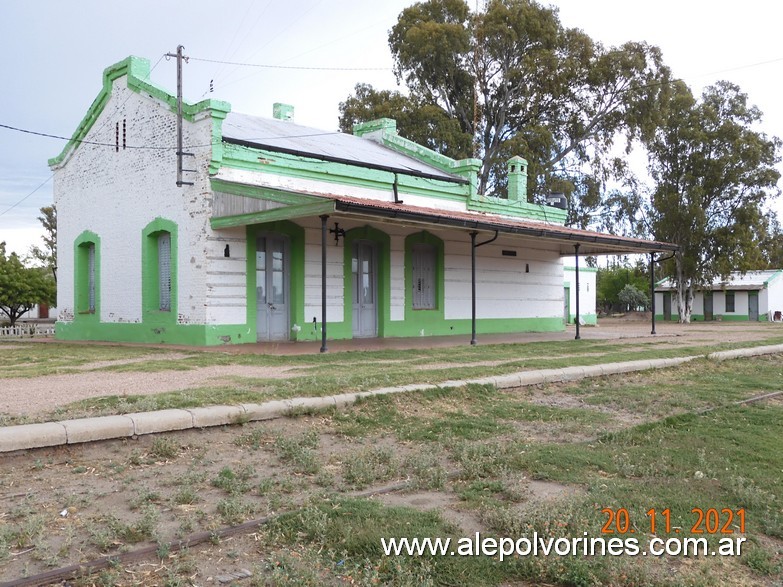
x=283, y=111
x=517, y=179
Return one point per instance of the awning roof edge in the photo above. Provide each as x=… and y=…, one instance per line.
x=591, y=243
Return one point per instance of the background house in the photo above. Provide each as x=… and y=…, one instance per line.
x=273, y=231
x=587, y=294
x=754, y=296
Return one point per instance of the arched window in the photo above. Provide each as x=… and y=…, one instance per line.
x=159, y=269
x=86, y=273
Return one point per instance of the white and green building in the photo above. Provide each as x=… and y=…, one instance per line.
x=277, y=231
x=753, y=296
x=587, y=294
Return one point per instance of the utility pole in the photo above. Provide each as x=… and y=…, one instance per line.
x=180, y=154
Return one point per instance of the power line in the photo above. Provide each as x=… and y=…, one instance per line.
x=48, y=179
x=295, y=67
x=164, y=148
x=27, y=196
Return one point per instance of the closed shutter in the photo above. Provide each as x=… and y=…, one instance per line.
x=164, y=271
x=91, y=277
x=423, y=268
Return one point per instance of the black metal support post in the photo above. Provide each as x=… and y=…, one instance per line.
x=576, y=264
x=473, y=246
x=652, y=291
x=324, y=218
x=473, y=287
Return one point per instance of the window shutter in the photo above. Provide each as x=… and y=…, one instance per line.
x=91, y=277
x=423, y=269
x=164, y=271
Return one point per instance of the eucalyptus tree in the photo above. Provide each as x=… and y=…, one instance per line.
x=713, y=173
x=512, y=80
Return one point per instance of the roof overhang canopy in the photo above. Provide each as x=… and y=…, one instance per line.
x=560, y=238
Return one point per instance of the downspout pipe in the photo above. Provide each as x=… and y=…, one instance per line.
x=473, y=247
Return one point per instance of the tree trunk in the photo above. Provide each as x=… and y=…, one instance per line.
x=683, y=293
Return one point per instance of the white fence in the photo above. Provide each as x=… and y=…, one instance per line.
x=26, y=330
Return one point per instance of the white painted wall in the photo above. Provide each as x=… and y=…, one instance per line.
x=772, y=300
x=116, y=194
x=587, y=289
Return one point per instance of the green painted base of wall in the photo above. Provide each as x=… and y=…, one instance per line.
x=590, y=319
x=723, y=318
x=205, y=335
x=734, y=318
x=413, y=328
x=187, y=334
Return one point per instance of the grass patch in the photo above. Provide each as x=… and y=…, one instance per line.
x=351, y=530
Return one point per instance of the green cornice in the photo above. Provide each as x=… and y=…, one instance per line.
x=517, y=209
x=773, y=277
x=137, y=70
x=467, y=168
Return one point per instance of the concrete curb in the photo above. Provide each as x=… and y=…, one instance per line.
x=47, y=434
x=746, y=352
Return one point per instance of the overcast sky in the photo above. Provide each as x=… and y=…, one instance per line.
x=54, y=53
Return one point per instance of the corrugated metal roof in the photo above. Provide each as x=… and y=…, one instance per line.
x=591, y=243
x=737, y=281
x=287, y=137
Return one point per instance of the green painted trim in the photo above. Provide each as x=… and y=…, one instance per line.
x=285, y=213
x=734, y=317
x=264, y=161
x=383, y=272
x=425, y=318
x=773, y=277
x=187, y=334
x=483, y=326
x=296, y=265
x=386, y=130
x=262, y=193
x=137, y=70
x=150, y=290
x=220, y=334
x=81, y=312
x=467, y=168
x=517, y=209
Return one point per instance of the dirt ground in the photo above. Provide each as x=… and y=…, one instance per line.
x=77, y=503
x=81, y=501
x=42, y=394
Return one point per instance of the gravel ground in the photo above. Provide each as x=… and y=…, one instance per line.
x=30, y=396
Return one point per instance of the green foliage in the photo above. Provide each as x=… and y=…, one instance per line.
x=632, y=299
x=21, y=287
x=712, y=173
x=48, y=254
x=512, y=80
x=611, y=281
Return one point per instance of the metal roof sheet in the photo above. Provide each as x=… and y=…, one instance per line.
x=287, y=137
